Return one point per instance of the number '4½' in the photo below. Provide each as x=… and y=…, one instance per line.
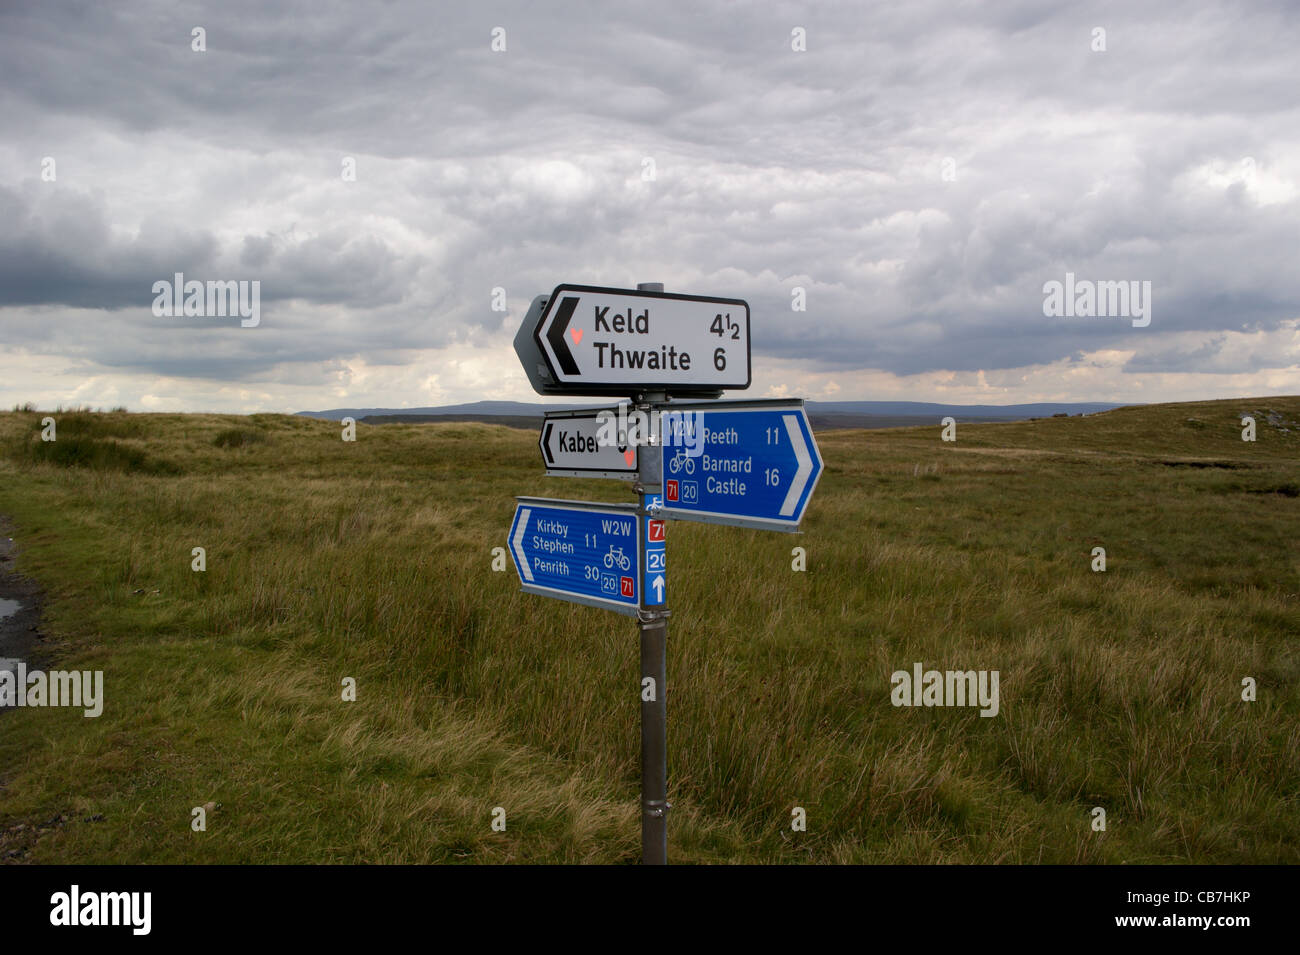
x=719, y=329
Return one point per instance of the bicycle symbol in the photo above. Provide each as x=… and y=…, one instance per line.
x=681, y=460
x=616, y=556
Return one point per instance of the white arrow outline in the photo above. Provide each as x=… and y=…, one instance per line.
x=805, y=464
x=517, y=545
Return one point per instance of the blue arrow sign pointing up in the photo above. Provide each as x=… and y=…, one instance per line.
x=753, y=464
x=586, y=553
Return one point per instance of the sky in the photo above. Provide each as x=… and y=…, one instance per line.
x=891, y=187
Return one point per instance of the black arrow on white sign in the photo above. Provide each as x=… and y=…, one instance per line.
x=572, y=444
x=555, y=334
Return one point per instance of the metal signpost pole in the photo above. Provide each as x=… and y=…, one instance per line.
x=654, y=722
x=654, y=658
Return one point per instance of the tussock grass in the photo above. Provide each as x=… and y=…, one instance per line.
x=84, y=439
x=238, y=438
x=373, y=560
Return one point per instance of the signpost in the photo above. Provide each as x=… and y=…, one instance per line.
x=653, y=624
x=757, y=464
x=600, y=341
x=571, y=447
x=587, y=553
x=655, y=567
x=751, y=464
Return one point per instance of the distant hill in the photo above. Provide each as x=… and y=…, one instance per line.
x=824, y=415
x=527, y=422
x=515, y=408
x=929, y=410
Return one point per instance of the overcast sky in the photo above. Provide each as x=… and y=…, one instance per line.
x=921, y=170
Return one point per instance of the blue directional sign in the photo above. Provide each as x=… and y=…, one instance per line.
x=655, y=581
x=747, y=463
x=586, y=553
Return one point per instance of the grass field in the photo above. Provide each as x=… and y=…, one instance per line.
x=373, y=560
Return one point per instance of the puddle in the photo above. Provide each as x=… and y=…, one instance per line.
x=9, y=607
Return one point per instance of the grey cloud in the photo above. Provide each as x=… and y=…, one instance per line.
x=61, y=250
x=775, y=169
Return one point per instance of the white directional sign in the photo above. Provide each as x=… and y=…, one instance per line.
x=571, y=447
x=606, y=340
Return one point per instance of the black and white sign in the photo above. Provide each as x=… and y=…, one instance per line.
x=597, y=340
x=571, y=446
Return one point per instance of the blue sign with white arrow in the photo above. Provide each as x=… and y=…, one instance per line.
x=656, y=552
x=751, y=464
x=586, y=553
